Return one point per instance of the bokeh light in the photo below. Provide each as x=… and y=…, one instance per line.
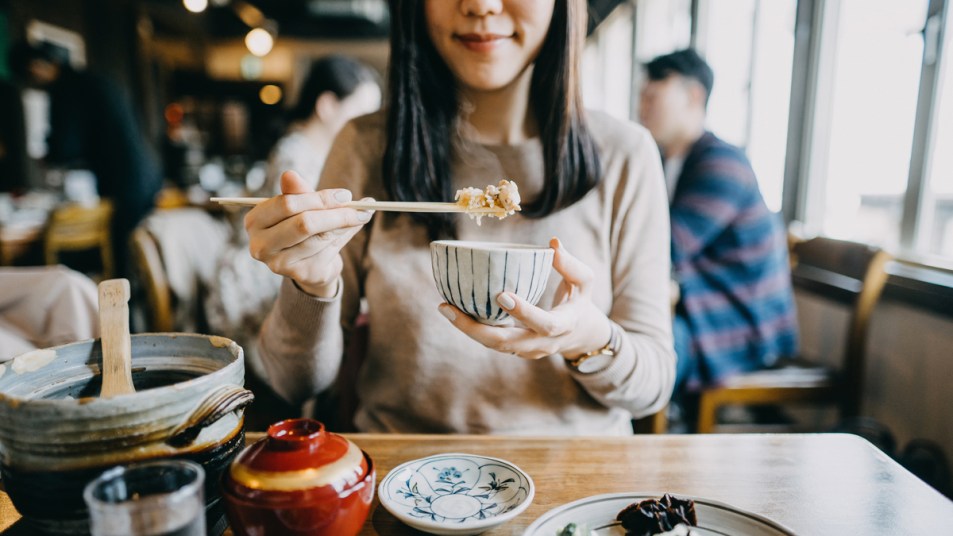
x=259, y=41
x=195, y=6
x=270, y=94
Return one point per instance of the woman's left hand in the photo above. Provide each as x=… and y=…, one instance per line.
x=573, y=327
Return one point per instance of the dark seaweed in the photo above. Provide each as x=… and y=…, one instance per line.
x=654, y=516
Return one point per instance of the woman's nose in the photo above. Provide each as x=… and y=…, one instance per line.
x=481, y=8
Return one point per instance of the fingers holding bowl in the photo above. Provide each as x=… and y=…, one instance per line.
x=511, y=339
x=545, y=323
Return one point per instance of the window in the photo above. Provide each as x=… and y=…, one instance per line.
x=771, y=68
x=728, y=35
x=936, y=224
x=662, y=26
x=870, y=134
x=607, y=65
x=876, y=78
x=750, y=47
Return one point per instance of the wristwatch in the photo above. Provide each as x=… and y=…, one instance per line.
x=600, y=359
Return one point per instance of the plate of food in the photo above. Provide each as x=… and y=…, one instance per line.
x=638, y=514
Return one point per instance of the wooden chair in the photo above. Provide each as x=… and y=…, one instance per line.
x=76, y=227
x=851, y=274
x=148, y=262
x=656, y=423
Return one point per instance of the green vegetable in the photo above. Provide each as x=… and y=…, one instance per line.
x=573, y=529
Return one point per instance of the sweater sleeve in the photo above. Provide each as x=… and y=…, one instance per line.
x=641, y=377
x=303, y=339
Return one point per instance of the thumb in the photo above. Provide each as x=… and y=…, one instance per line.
x=292, y=183
x=574, y=271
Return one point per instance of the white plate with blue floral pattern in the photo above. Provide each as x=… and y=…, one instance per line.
x=456, y=494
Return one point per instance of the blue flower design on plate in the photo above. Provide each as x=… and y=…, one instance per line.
x=456, y=489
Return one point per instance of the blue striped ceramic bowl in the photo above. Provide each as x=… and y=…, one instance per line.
x=470, y=275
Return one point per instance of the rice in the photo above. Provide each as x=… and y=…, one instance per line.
x=503, y=199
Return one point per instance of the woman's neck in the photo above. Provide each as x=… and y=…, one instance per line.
x=500, y=117
x=318, y=134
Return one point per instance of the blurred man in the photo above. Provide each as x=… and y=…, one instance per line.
x=729, y=253
x=92, y=126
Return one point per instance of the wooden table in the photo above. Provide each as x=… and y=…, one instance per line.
x=814, y=484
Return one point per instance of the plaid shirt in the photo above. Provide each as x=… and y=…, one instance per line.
x=729, y=255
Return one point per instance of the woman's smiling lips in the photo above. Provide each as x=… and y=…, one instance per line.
x=481, y=42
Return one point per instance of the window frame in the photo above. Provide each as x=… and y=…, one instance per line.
x=925, y=127
x=925, y=282
x=809, y=120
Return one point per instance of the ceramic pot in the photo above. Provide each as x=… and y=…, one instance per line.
x=300, y=480
x=56, y=434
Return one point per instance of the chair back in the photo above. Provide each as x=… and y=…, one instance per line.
x=76, y=227
x=149, y=266
x=853, y=274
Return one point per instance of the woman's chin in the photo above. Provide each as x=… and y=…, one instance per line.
x=488, y=83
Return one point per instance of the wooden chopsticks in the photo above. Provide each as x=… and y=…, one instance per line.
x=385, y=206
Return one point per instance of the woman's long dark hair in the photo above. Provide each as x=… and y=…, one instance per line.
x=423, y=107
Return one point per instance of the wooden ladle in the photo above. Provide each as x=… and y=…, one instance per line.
x=114, y=331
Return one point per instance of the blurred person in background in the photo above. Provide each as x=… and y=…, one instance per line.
x=729, y=254
x=13, y=157
x=92, y=126
x=336, y=90
x=45, y=306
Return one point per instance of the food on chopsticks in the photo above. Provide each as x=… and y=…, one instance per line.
x=657, y=516
x=503, y=199
x=574, y=529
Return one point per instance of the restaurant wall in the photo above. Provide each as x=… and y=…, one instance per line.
x=909, y=374
x=289, y=59
x=109, y=30
x=68, y=14
x=112, y=44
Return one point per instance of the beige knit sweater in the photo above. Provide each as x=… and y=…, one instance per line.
x=423, y=375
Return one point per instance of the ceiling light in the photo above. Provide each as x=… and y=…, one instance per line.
x=195, y=6
x=259, y=42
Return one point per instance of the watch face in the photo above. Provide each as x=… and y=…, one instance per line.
x=595, y=363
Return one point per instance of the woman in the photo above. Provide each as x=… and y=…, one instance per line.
x=479, y=90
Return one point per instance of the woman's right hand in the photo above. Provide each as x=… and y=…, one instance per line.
x=300, y=233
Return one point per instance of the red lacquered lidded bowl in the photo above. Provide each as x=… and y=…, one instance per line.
x=299, y=480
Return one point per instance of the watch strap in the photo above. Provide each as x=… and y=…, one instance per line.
x=611, y=348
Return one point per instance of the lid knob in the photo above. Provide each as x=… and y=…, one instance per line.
x=296, y=434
